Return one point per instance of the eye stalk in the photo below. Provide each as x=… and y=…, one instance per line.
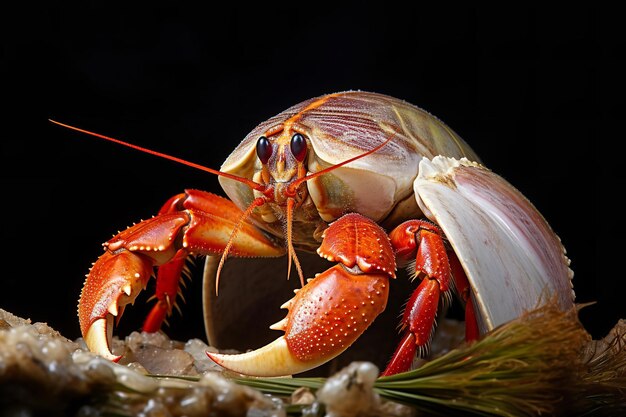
x=298, y=147
x=264, y=149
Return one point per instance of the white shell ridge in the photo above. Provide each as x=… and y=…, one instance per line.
x=511, y=256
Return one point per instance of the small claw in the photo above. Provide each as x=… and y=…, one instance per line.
x=355, y=240
x=98, y=337
x=114, y=281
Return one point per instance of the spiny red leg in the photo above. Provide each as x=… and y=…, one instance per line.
x=402, y=358
x=431, y=263
x=463, y=290
x=169, y=277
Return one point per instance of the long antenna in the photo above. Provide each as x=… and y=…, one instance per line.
x=246, y=181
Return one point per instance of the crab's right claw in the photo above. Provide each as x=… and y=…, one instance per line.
x=332, y=310
x=325, y=317
x=114, y=281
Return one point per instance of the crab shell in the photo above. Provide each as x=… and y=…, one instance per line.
x=338, y=127
x=510, y=254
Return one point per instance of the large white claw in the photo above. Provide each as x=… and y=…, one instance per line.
x=98, y=336
x=273, y=359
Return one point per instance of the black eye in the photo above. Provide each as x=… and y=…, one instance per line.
x=298, y=147
x=264, y=149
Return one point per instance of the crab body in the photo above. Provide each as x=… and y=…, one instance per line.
x=339, y=127
x=370, y=183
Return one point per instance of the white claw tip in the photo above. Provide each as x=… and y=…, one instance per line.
x=274, y=359
x=113, y=308
x=287, y=304
x=280, y=325
x=127, y=289
x=98, y=338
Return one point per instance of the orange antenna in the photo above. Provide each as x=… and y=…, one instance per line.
x=291, y=253
x=249, y=183
x=291, y=192
x=259, y=201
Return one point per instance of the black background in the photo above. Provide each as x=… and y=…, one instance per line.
x=532, y=90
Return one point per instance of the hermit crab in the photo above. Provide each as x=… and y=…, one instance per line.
x=369, y=182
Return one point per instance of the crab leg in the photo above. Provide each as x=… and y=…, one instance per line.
x=332, y=310
x=167, y=289
x=194, y=223
x=422, y=241
x=169, y=274
x=463, y=290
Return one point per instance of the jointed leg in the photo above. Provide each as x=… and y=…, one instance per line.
x=463, y=291
x=422, y=241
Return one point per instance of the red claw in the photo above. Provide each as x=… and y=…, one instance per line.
x=332, y=311
x=192, y=223
x=114, y=281
x=329, y=313
x=325, y=317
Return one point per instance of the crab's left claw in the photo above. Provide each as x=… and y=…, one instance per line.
x=190, y=223
x=114, y=281
x=329, y=313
